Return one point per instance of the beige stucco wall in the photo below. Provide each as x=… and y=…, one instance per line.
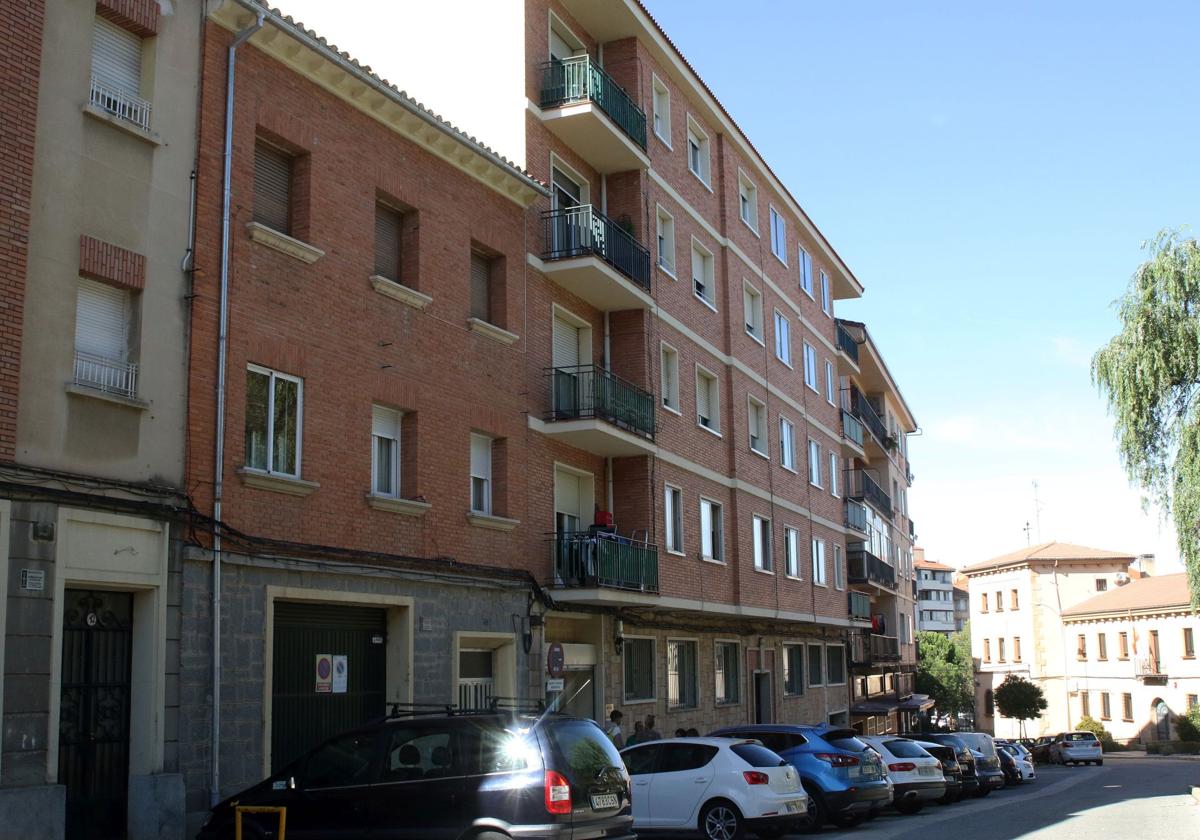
x=93, y=178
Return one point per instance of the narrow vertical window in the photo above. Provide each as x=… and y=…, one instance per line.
x=757, y=416
x=481, y=287
x=783, y=339
x=839, y=568
x=791, y=544
x=778, y=235
x=670, y=377
x=387, y=242
x=481, y=474
x=762, y=544
x=834, y=474
x=273, y=410
x=711, y=536
x=662, y=111
x=272, y=187
x=666, y=241
x=826, y=299
x=117, y=74
x=830, y=390
x=385, y=451
x=673, y=510
x=103, y=316
x=810, y=366
x=752, y=304
x=806, y=275
x=787, y=444
x=814, y=463
x=818, y=562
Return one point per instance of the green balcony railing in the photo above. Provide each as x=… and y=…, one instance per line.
x=583, y=560
x=587, y=391
x=579, y=79
x=852, y=428
x=860, y=606
x=856, y=516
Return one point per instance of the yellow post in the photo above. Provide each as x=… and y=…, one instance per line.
x=238, y=810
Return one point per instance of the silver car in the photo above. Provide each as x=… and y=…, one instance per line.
x=1077, y=748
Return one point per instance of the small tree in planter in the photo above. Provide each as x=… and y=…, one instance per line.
x=1020, y=699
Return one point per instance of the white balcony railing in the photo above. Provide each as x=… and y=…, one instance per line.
x=123, y=106
x=106, y=375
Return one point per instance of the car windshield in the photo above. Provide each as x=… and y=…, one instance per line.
x=846, y=740
x=979, y=742
x=1079, y=736
x=757, y=755
x=904, y=748
x=586, y=750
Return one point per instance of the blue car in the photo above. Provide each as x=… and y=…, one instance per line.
x=844, y=777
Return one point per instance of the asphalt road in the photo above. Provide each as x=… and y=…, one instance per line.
x=1126, y=798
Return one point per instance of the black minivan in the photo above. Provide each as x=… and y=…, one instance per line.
x=439, y=777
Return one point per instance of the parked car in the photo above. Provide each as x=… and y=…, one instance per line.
x=720, y=787
x=988, y=767
x=1077, y=748
x=1041, y=749
x=843, y=777
x=964, y=756
x=951, y=770
x=446, y=776
x=1008, y=766
x=989, y=773
x=1022, y=758
x=916, y=775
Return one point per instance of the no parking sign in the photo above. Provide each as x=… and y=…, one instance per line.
x=324, y=673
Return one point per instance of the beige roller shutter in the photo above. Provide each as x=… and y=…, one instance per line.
x=117, y=57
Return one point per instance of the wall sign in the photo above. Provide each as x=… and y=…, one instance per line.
x=33, y=580
x=339, y=674
x=324, y=673
x=556, y=660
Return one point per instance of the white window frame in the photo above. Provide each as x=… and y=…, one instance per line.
x=787, y=444
x=820, y=575
x=714, y=400
x=669, y=359
x=704, y=148
x=783, y=338
x=715, y=539
x=778, y=234
x=845, y=665
x=839, y=567
x=756, y=420
x=394, y=466
x=826, y=295
x=814, y=463
x=696, y=682
x=272, y=375
x=834, y=469
x=752, y=304
x=734, y=680
x=708, y=269
x=810, y=367
x=747, y=201
x=673, y=518
x=661, y=105
x=806, y=267
x=830, y=386
x=487, y=479
x=665, y=240
x=791, y=548
x=764, y=554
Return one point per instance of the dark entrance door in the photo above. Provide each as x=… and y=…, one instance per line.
x=762, y=697
x=302, y=717
x=93, y=728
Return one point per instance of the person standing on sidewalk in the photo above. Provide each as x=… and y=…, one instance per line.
x=613, y=730
x=651, y=733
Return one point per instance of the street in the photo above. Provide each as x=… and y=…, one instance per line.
x=1120, y=799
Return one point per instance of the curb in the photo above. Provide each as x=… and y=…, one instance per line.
x=1196, y=794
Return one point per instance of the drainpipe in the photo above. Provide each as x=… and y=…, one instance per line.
x=218, y=469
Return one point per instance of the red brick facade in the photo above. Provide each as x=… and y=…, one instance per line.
x=138, y=16
x=112, y=264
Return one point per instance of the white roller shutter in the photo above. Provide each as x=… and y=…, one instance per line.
x=117, y=57
x=566, y=344
x=567, y=494
x=102, y=321
x=481, y=456
x=385, y=423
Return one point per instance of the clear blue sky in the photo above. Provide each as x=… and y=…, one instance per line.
x=989, y=172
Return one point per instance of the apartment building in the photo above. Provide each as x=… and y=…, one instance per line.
x=935, y=595
x=1018, y=602
x=1134, y=667
x=962, y=602
x=98, y=154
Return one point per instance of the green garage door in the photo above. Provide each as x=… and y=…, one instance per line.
x=306, y=709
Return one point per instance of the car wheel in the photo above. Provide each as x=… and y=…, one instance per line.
x=720, y=820
x=910, y=807
x=817, y=815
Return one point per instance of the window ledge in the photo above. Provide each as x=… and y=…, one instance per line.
x=116, y=122
x=674, y=411
x=404, y=507
x=712, y=560
x=711, y=431
x=668, y=270
x=760, y=453
x=764, y=571
x=704, y=300
x=277, y=483
x=400, y=292
x=283, y=243
x=492, y=331
x=105, y=396
x=496, y=523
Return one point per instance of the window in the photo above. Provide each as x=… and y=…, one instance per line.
x=835, y=665
x=385, y=451
x=1085, y=704
x=810, y=366
x=673, y=511
x=476, y=677
x=273, y=428
x=1189, y=644
x=999, y=600
x=1105, y=708
x=1126, y=707
x=757, y=423
x=791, y=544
x=814, y=463
x=708, y=400
x=826, y=296
x=818, y=562
x=666, y=241
x=1081, y=647
x=987, y=650
x=806, y=276
x=748, y=201
x=272, y=187
x=783, y=339
x=1193, y=700
x=728, y=680
x=983, y=605
x=834, y=470
x=1102, y=646
x=1122, y=645
x=816, y=665
x=830, y=379
x=1000, y=650
x=839, y=568
x=712, y=545
x=117, y=74
x=343, y=762
x=638, y=656
x=662, y=111
x=103, y=315
x=778, y=235
x=793, y=670
x=1101, y=585
x=787, y=444
x=670, y=377
x=1013, y=602
x=702, y=274
x=388, y=226
x=762, y=544
x=481, y=474
x=753, y=306
x=697, y=151
x=682, y=679
x=1016, y=648
x=481, y=286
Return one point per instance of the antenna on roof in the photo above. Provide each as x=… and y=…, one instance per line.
x=1026, y=530
x=1037, y=511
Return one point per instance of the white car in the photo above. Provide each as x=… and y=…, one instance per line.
x=915, y=774
x=1077, y=747
x=720, y=787
x=1022, y=759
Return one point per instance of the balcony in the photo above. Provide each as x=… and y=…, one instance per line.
x=586, y=560
x=594, y=410
x=866, y=648
x=1149, y=669
x=865, y=412
x=860, y=485
x=860, y=606
x=592, y=114
x=852, y=428
x=122, y=105
x=856, y=516
x=595, y=259
x=107, y=375
x=912, y=530
x=847, y=344
x=865, y=567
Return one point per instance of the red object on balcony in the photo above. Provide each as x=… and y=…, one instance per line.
x=604, y=518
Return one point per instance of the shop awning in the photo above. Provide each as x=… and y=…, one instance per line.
x=874, y=707
x=916, y=703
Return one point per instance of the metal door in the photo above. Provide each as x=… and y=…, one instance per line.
x=1162, y=721
x=303, y=716
x=93, y=728
x=762, y=698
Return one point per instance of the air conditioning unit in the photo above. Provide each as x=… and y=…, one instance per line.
x=1122, y=578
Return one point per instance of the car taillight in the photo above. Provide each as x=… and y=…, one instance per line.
x=837, y=759
x=558, y=793
x=753, y=777
x=902, y=767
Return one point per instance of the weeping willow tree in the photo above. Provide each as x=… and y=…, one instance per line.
x=1150, y=375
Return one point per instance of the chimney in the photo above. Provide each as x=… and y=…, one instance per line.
x=1145, y=564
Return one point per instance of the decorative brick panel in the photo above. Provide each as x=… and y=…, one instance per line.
x=105, y=261
x=138, y=16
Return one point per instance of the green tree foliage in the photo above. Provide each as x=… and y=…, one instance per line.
x=1019, y=699
x=1087, y=723
x=1188, y=725
x=944, y=671
x=1150, y=374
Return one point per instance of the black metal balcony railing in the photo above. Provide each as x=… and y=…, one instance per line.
x=579, y=79
x=583, y=231
x=866, y=413
x=867, y=648
x=587, y=392
x=856, y=516
x=586, y=560
x=860, y=606
x=860, y=485
x=852, y=427
x=847, y=344
x=865, y=567
x=912, y=530
x=1149, y=666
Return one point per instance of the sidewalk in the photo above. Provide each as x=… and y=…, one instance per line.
x=1144, y=754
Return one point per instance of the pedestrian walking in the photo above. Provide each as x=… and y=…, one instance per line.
x=613, y=730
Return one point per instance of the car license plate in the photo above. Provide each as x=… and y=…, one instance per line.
x=607, y=800
x=929, y=771
x=796, y=806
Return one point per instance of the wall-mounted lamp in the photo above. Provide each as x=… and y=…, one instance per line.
x=619, y=637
